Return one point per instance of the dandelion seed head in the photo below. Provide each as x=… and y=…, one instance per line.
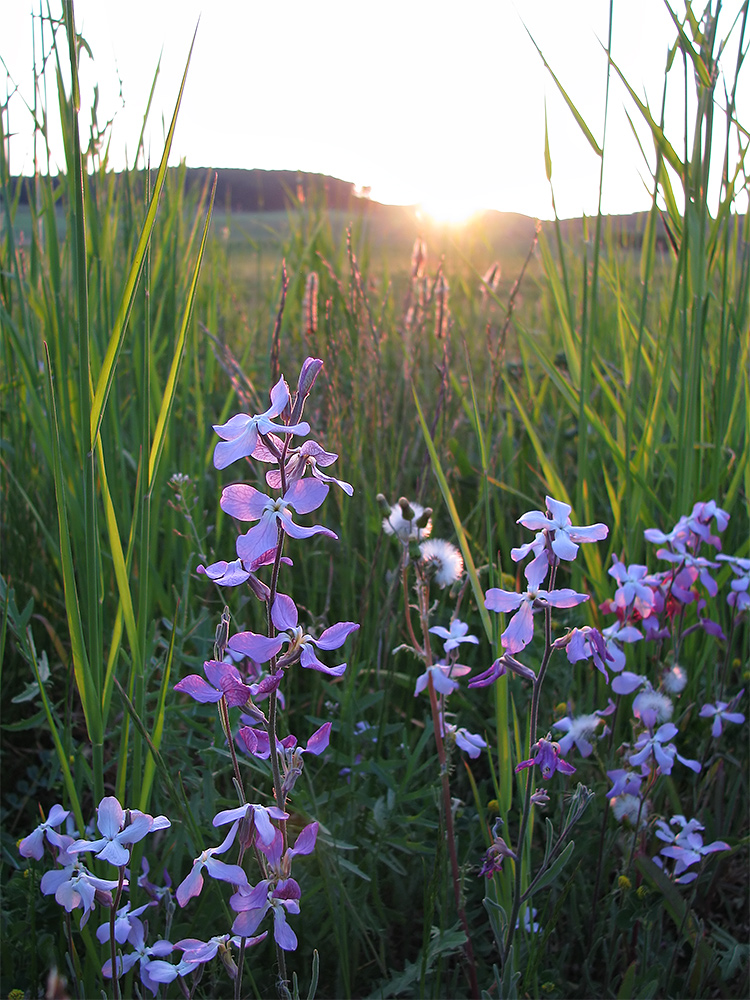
x=652, y=707
x=675, y=679
x=444, y=561
x=626, y=808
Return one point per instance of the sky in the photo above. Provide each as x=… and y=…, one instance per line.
x=440, y=104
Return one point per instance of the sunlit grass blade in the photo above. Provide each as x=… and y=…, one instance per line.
x=109, y=364
x=455, y=519
x=662, y=143
x=171, y=385
x=160, y=717
x=85, y=682
x=573, y=109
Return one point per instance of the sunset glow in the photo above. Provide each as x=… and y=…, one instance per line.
x=447, y=113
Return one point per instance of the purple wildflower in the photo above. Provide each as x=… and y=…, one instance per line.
x=33, y=845
x=520, y=631
x=75, y=886
x=739, y=597
x=723, y=711
x=632, y=591
x=241, y=433
x=253, y=903
x=258, y=816
x=308, y=456
x=248, y=504
x=299, y=643
x=455, y=635
x=443, y=677
x=685, y=847
x=141, y=953
x=498, y=851
x=193, y=883
x=655, y=745
x=118, y=828
x=224, y=681
x=199, y=952
x=565, y=537
x=123, y=923
x=583, y=644
x=547, y=755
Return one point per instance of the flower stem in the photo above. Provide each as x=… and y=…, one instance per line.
x=423, y=592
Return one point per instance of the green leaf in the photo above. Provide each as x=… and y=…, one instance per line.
x=552, y=872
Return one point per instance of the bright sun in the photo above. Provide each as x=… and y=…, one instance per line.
x=448, y=210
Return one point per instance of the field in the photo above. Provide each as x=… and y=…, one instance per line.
x=502, y=607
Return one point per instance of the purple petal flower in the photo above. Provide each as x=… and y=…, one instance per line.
x=193, y=883
x=111, y=822
x=123, y=923
x=240, y=434
x=520, y=630
x=455, y=635
x=723, y=711
x=655, y=745
x=225, y=681
x=308, y=456
x=739, y=597
x=246, y=503
x=565, y=537
x=259, y=816
x=75, y=886
x=299, y=643
x=33, y=845
x=547, y=755
x=632, y=590
x=498, y=851
x=443, y=677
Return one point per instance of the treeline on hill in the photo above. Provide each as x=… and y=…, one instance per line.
x=247, y=190
x=241, y=190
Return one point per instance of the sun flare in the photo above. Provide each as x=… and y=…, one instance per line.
x=447, y=210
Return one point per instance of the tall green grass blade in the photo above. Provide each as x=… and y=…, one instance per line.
x=662, y=143
x=169, y=390
x=149, y=769
x=455, y=519
x=87, y=688
x=118, y=558
x=109, y=364
x=571, y=106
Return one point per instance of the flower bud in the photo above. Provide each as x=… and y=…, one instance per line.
x=407, y=511
x=221, y=637
x=260, y=589
x=225, y=954
x=385, y=507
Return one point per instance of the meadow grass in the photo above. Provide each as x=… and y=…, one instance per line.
x=134, y=315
